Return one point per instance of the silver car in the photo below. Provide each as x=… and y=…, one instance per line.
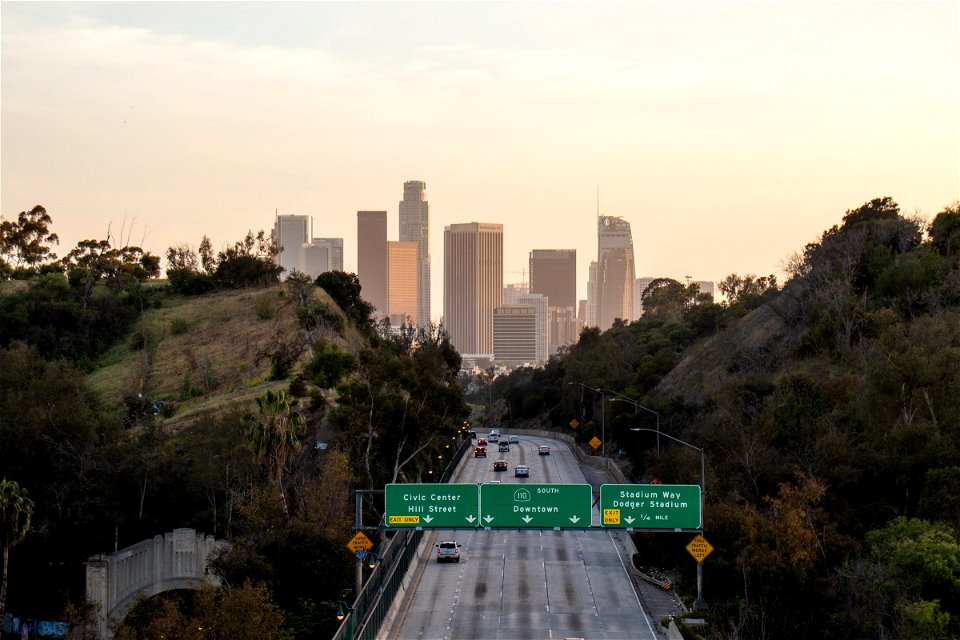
x=448, y=551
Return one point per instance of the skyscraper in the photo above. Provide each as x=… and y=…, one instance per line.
x=515, y=334
x=553, y=274
x=415, y=227
x=322, y=255
x=402, y=282
x=541, y=305
x=292, y=233
x=372, y=259
x=616, y=279
x=472, y=284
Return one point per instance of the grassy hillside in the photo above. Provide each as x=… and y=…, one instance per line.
x=203, y=355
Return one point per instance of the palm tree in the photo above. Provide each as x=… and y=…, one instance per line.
x=274, y=432
x=16, y=510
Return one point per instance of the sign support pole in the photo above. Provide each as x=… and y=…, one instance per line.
x=699, y=603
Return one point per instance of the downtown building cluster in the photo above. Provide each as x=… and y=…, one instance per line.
x=489, y=322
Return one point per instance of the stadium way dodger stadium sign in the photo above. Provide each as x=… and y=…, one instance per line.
x=650, y=506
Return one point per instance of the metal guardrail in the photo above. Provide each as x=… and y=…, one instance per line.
x=373, y=603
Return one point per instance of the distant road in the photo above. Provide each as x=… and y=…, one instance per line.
x=527, y=584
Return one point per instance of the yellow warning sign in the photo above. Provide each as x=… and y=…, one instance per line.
x=403, y=519
x=574, y=424
x=595, y=442
x=611, y=516
x=358, y=542
x=699, y=548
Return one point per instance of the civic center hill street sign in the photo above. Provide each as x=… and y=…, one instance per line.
x=650, y=506
x=432, y=505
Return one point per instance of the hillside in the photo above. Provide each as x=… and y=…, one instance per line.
x=202, y=355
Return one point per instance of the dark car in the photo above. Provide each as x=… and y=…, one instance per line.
x=480, y=452
x=500, y=465
x=543, y=450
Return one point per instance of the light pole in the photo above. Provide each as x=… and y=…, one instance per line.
x=344, y=610
x=699, y=603
x=622, y=398
x=603, y=415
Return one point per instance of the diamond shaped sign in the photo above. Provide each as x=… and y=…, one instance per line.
x=574, y=424
x=595, y=442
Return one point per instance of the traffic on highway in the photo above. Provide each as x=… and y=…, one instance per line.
x=536, y=581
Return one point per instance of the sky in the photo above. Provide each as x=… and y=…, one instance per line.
x=729, y=134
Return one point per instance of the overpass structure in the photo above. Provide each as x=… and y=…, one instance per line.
x=176, y=560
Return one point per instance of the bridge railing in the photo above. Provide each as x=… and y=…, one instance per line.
x=373, y=603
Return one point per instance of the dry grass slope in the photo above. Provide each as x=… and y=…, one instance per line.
x=205, y=355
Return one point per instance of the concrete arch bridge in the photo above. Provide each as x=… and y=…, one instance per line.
x=176, y=560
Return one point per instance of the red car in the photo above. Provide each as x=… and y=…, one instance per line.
x=482, y=442
x=500, y=465
x=480, y=452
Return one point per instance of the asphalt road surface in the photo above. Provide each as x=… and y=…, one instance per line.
x=522, y=584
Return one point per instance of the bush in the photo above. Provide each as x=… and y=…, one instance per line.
x=179, y=326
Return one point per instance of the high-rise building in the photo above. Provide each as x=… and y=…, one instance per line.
x=415, y=227
x=541, y=305
x=553, y=273
x=512, y=292
x=472, y=284
x=616, y=279
x=590, y=319
x=322, y=255
x=372, y=259
x=642, y=284
x=402, y=282
x=292, y=233
x=515, y=334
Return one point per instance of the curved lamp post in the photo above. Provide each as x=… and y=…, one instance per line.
x=622, y=398
x=699, y=603
x=344, y=610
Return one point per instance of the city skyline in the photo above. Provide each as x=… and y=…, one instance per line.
x=728, y=135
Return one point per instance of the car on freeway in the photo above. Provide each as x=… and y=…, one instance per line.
x=500, y=465
x=521, y=471
x=543, y=450
x=480, y=452
x=448, y=551
x=503, y=446
x=496, y=431
x=494, y=437
x=482, y=442
x=514, y=439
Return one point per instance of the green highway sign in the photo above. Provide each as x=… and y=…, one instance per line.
x=516, y=505
x=650, y=506
x=432, y=505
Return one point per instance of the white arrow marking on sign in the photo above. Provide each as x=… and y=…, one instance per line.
x=629, y=520
x=575, y=519
x=471, y=519
x=428, y=519
x=526, y=519
x=488, y=519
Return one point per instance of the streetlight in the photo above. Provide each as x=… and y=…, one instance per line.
x=699, y=603
x=622, y=398
x=343, y=610
x=603, y=415
x=373, y=559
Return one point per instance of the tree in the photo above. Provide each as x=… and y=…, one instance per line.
x=344, y=288
x=27, y=241
x=16, y=510
x=273, y=433
x=945, y=231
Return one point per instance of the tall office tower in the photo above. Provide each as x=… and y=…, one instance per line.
x=322, y=255
x=515, y=334
x=590, y=319
x=415, y=227
x=293, y=233
x=512, y=292
x=402, y=283
x=615, y=271
x=706, y=286
x=541, y=304
x=553, y=272
x=372, y=259
x=563, y=326
x=472, y=284
x=642, y=284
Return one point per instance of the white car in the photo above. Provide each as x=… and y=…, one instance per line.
x=514, y=440
x=448, y=551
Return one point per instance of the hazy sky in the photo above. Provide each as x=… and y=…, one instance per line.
x=729, y=134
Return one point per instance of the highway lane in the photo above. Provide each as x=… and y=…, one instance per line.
x=523, y=584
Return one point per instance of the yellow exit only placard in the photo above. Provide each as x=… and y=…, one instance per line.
x=403, y=520
x=611, y=516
